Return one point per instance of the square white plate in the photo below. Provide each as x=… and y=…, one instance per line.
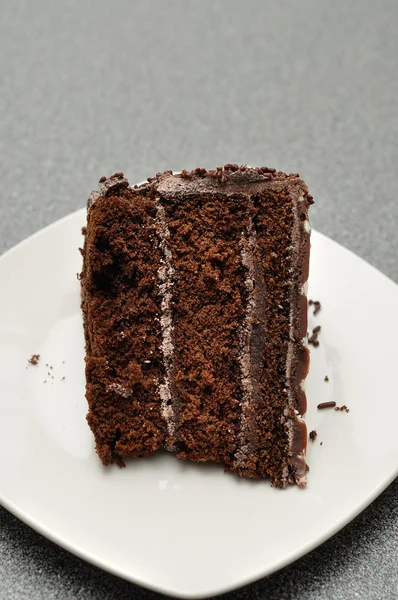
x=179, y=528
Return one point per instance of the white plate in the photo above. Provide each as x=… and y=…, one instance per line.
x=180, y=528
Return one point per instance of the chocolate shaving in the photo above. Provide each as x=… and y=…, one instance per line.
x=326, y=378
x=330, y=404
x=34, y=359
x=313, y=435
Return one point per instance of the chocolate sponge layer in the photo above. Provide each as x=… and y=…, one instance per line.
x=121, y=308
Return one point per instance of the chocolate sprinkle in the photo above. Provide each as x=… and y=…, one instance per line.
x=330, y=404
x=313, y=339
x=342, y=408
x=316, y=304
x=34, y=359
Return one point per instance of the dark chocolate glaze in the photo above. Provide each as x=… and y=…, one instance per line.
x=231, y=175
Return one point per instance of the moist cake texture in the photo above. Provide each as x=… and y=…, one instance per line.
x=195, y=319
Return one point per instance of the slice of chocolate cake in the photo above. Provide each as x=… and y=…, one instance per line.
x=195, y=318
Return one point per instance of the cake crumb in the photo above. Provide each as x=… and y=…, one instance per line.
x=313, y=435
x=342, y=408
x=321, y=443
x=326, y=378
x=330, y=404
x=316, y=304
x=34, y=359
x=313, y=339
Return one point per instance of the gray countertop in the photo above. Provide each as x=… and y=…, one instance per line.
x=89, y=88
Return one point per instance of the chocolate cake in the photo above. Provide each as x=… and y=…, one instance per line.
x=195, y=318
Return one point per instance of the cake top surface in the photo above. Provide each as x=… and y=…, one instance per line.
x=230, y=178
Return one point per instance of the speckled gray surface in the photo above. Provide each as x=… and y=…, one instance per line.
x=88, y=88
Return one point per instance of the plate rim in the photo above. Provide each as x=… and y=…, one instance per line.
x=141, y=581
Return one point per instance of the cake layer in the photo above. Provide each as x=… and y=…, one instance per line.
x=209, y=299
x=121, y=308
x=203, y=274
